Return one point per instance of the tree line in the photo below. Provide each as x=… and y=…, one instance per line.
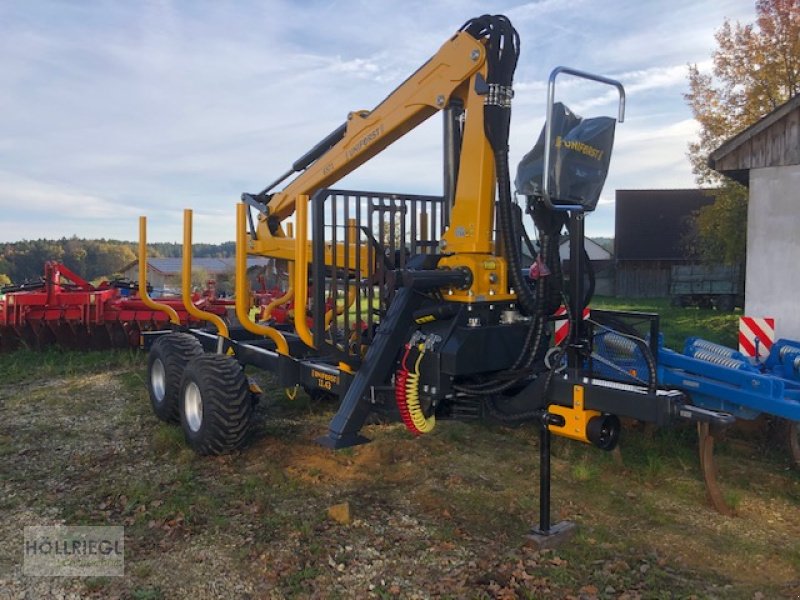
x=91, y=259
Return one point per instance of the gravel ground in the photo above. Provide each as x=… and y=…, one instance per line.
x=438, y=517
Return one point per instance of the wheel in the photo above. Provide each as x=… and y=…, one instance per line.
x=793, y=442
x=165, y=363
x=216, y=407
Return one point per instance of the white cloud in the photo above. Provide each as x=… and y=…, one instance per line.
x=115, y=109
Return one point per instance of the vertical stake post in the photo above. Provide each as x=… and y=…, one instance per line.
x=547, y=535
x=544, y=477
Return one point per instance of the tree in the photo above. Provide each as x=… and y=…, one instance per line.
x=756, y=68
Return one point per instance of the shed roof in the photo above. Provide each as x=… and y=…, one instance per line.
x=593, y=249
x=773, y=140
x=214, y=266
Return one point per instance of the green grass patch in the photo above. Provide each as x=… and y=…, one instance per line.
x=147, y=593
x=584, y=471
x=677, y=323
x=23, y=366
x=294, y=581
x=168, y=439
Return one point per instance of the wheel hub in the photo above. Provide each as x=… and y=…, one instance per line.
x=193, y=406
x=158, y=380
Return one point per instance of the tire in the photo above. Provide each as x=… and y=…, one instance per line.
x=165, y=364
x=216, y=406
x=793, y=442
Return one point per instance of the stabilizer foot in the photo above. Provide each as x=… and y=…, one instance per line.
x=344, y=441
x=553, y=537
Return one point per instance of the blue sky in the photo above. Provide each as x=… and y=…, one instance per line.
x=114, y=109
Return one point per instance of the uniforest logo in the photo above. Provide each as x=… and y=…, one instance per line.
x=365, y=141
x=580, y=147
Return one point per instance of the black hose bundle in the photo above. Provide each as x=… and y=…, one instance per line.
x=502, y=52
x=549, y=225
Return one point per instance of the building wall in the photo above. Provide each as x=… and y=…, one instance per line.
x=604, y=276
x=772, y=288
x=157, y=280
x=642, y=279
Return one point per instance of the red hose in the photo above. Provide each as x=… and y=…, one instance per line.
x=400, y=393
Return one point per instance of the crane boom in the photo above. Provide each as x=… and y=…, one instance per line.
x=457, y=70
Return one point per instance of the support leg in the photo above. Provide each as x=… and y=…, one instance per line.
x=546, y=535
x=344, y=428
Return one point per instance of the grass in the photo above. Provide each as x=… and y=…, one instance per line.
x=15, y=367
x=443, y=515
x=469, y=489
x=678, y=324
x=147, y=593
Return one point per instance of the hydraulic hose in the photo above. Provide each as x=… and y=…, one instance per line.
x=421, y=423
x=407, y=394
x=508, y=235
x=502, y=56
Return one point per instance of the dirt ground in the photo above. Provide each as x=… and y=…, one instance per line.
x=442, y=516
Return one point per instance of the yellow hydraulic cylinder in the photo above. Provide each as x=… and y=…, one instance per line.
x=186, y=284
x=242, y=286
x=143, y=295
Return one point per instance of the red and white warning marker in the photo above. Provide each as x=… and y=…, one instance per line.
x=562, y=326
x=756, y=335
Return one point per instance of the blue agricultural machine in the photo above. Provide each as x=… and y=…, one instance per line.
x=628, y=348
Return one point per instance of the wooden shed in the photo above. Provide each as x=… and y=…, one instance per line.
x=650, y=230
x=766, y=158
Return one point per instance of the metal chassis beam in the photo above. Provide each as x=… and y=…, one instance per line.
x=309, y=371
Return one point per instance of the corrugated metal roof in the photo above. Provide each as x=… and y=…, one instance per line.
x=173, y=266
x=651, y=224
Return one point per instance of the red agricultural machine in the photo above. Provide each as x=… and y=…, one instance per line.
x=63, y=308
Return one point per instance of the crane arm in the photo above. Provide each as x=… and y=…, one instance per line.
x=366, y=133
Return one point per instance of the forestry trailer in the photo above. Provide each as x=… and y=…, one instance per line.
x=418, y=306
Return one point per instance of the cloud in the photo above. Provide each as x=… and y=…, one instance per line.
x=116, y=109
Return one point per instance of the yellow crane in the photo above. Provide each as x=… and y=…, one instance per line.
x=415, y=306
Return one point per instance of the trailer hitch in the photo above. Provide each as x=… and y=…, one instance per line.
x=697, y=414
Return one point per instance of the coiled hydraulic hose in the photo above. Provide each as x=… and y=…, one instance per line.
x=407, y=395
x=422, y=423
x=400, y=380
